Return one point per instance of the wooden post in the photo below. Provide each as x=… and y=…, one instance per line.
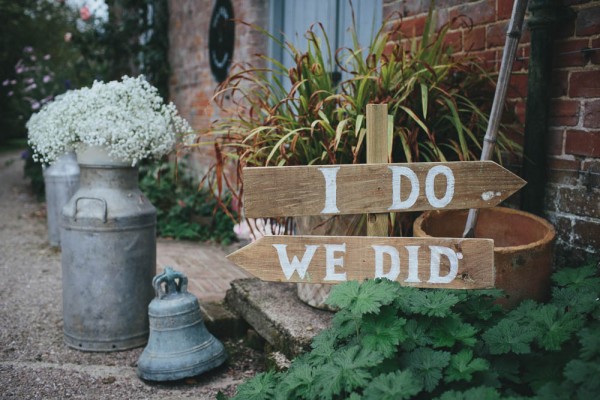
x=377, y=153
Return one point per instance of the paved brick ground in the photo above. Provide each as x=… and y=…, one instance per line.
x=208, y=270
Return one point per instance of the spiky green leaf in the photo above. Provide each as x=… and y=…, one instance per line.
x=363, y=298
x=261, y=387
x=427, y=365
x=349, y=368
x=433, y=303
x=396, y=385
x=508, y=336
x=463, y=366
x=383, y=332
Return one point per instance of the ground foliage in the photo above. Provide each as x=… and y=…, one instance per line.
x=393, y=342
x=183, y=210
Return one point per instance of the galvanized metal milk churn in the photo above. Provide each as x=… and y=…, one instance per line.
x=180, y=346
x=61, y=180
x=108, y=259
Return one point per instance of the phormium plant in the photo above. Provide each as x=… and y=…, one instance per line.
x=393, y=342
x=438, y=104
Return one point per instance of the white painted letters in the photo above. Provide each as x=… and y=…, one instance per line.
x=295, y=265
x=436, y=253
x=330, y=175
x=334, y=261
x=394, y=271
x=430, y=186
x=331, y=262
x=397, y=173
x=413, y=264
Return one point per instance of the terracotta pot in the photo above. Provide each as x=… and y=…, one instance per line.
x=523, y=247
x=315, y=294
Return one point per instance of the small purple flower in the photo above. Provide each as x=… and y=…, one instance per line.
x=46, y=78
x=10, y=93
x=28, y=49
x=28, y=81
x=25, y=154
x=13, y=82
x=5, y=82
x=33, y=58
x=30, y=88
x=19, y=67
x=47, y=57
x=35, y=105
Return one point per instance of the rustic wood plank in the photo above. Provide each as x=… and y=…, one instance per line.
x=377, y=153
x=368, y=188
x=335, y=259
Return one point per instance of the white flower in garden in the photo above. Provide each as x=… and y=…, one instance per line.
x=128, y=117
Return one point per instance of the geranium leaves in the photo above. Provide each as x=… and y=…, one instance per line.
x=508, y=336
x=427, y=365
x=383, y=333
x=393, y=342
x=349, y=368
x=364, y=298
x=398, y=385
x=433, y=303
x=463, y=366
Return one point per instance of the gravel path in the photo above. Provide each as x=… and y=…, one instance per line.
x=34, y=362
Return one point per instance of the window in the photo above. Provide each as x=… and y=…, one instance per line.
x=290, y=19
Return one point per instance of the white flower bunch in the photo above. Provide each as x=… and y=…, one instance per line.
x=129, y=118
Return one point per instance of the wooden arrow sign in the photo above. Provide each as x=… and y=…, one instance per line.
x=375, y=188
x=419, y=262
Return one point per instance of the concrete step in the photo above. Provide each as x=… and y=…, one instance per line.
x=275, y=312
x=221, y=321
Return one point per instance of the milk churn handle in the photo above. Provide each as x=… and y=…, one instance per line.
x=168, y=277
x=104, y=215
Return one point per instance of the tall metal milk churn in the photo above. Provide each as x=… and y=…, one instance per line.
x=108, y=260
x=61, y=180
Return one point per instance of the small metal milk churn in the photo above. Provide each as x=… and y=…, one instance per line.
x=108, y=260
x=61, y=180
x=179, y=346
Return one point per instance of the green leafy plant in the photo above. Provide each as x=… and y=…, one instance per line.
x=437, y=102
x=393, y=342
x=183, y=210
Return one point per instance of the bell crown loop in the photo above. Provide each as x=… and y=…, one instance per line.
x=170, y=281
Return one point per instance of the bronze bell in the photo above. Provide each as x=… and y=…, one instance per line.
x=179, y=345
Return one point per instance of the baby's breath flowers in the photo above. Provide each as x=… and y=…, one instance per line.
x=128, y=117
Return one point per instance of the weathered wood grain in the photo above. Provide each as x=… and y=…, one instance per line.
x=377, y=153
x=368, y=188
x=271, y=258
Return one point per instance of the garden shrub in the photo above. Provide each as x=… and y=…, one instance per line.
x=393, y=342
x=183, y=210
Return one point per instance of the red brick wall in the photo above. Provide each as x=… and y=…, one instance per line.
x=573, y=188
x=192, y=85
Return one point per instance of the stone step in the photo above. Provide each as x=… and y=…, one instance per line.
x=221, y=321
x=274, y=311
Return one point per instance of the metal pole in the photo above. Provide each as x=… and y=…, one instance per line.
x=541, y=23
x=510, y=48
